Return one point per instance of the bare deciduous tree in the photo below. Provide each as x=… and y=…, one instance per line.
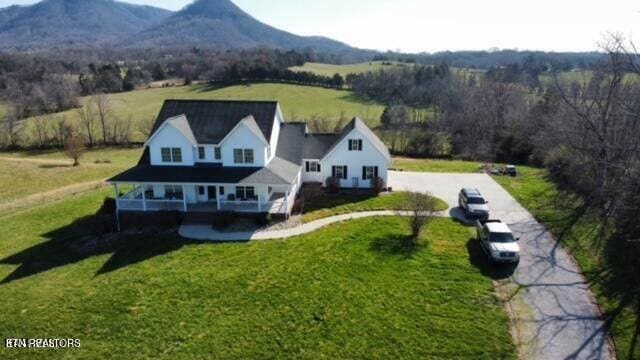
x=88, y=121
x=422, y=208
x=102, y=103
x=73, y=144
x=40, y=132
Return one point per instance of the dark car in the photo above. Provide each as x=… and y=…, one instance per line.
x=473, y=204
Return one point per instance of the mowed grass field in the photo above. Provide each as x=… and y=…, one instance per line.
x=342, y=292
x=27, y=173
x=297, y=102
x=344, y=70
x=435, y=165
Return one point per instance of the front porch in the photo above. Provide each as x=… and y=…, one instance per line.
x=274, y=199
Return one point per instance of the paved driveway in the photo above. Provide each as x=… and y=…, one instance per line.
x=563, y=311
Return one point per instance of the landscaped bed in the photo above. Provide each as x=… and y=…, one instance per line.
x=341, y=292
x=326, y=204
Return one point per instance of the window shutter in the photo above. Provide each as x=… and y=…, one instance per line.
x=364, y=173
x=307, y=166
x=375, y=171
x=360, y=145
x=333, y=171
x=344, y=176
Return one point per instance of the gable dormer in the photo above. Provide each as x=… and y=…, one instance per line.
x=172, y=144
x=245, y=145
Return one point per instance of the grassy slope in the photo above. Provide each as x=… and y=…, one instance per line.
x=298, y=102
x=339, y=292
x=561, y=213
x=331, y=69
x=431, y=165
x=20, y=179
x=329, y=205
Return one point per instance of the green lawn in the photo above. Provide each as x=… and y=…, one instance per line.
x=331, y=69
x=602, y=261
x=20, y=179
x=432, y=165
x=330, y=205
x=341, y=292
x=298, y=102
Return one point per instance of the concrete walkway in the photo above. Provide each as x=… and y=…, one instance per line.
x=206, y=233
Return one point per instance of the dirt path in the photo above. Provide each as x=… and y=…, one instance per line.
x=48, y=196
x=37, y=161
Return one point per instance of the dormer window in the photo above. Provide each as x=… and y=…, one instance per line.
x=355, y=144
x=243, y=156
x=201, y=153
x=171, y=155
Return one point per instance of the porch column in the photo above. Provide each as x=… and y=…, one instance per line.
x=218, y=197
x=184, y=199
x=117, y=197
x=144, y=199
x=259, y=204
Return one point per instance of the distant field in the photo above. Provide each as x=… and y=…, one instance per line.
x=433, y=165
x=298, y=102
x=27, y=173
x=331, y=69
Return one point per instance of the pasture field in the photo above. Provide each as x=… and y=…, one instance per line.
x=331, y=69
x=298, y=102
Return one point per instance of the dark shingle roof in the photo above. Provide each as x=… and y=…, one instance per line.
x=291, y=142
x=317, y=145
x=211, y=120
x=202, y=174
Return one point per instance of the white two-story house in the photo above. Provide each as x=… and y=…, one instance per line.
x=242, y=156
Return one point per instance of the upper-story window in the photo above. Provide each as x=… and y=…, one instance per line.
x=201, y=153
x=355, y=144
x=243, y=156
x=217, y=153
x=170, y=155
x=312, y=166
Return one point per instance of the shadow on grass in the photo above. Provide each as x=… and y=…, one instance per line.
x=88, y=237
x=402, y=245
x=55, y=166
x=479, y=259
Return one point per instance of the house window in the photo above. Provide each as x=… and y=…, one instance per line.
x=248, y=156
x=355, y=144
x=176, y=154
x=339, y=172
x=217, y=153
x=173, y=192
x=369, y=172
x=166, y=154
x=221, y=190
x=201, y=153
x=313, y=166
x=200, y=190
x=238, y=156
x=245, y=192
x=243, y=156
x=171, y=155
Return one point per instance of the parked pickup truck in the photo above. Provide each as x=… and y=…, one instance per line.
x=498, y=241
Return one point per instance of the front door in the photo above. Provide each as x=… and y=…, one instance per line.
x=213, y=193
x=355, y=182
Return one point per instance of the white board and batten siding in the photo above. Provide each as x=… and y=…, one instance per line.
x=355, y=160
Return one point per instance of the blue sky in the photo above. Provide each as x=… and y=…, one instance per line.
x=425, y=25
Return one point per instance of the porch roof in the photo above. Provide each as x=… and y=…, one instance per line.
x=279, y=172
